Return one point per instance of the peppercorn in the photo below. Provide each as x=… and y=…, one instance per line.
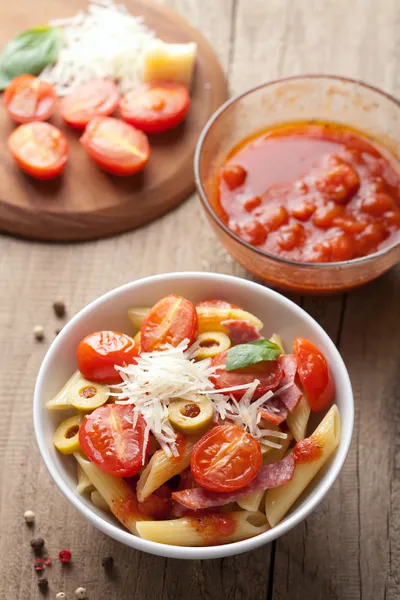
x=37, y=545
x=107, y=562
x=43, y=584
x=29, y=516
x=38, y=332
x=59, y=308
x=61, y=596
x=80, y=593
x=64, y=556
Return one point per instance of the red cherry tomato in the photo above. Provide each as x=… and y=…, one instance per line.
x=39, y=149
x=108, y=439
x=156, y=107
x=27, y=99
x=115, y=146
x=234, y=176
x=216, y=303
x=315, y=376
x=269, y=373
x=170, y=321
x=92, y=99
x=226, y=459
x=99, y=352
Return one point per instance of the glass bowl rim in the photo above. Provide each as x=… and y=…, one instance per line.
x=225, y=228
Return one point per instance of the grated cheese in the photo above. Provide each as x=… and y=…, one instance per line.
x=157, y=378
x=106, y=41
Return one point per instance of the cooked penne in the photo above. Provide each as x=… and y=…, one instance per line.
x=204, y=530
x=61, y=400
x=327, y=436
x=99, y=501
x=298, y=419
x=137, y=315
x=211, y=318
x=84, y=484
x=115, y=492
x=277, y=340
x=162, y=467
x=252, y=502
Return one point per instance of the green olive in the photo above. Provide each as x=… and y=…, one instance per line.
x=87, y=395
x=211, y=343
x=191, y=417
x=66, y=436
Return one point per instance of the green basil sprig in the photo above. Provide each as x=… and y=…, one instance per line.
x=30, y=52
x=251, y=353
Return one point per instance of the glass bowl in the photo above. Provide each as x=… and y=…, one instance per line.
x=301, y=98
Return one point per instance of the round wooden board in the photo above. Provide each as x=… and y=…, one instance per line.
x=87, y=203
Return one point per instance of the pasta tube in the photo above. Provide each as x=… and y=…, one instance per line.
x=298, y=419
x=116, y=493
x=280, y=499
x=84, y=484
x=252, y=501
x=162, y=467
x=98, y=500
x=215, y=528
x=61, y=401
x=211, y=318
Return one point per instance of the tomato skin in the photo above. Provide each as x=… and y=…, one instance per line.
x=115, y=146
x=98, y=352
x=28, y=99
x=226, y=459
x=155, y=107
x=39, y=149
x=171, y=320
x=108, y=439
x=88, y=100
x=315, y=375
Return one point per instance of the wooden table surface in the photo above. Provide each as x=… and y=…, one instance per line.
x=349, y=548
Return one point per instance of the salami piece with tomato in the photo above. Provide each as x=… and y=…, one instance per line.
x=291, y=395
x=240, y=331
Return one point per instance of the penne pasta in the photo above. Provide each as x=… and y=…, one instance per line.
x=203, y=530
x=327, y=436
x=276, y=339
x=115, y=492
x=61, y=400
x=162, y=467
x=298, y=419
x=211, y=318
x=84, y=484
x=253, y=501
x=99, y=501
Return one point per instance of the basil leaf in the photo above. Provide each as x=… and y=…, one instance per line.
x=244, y=355
x=30, y=52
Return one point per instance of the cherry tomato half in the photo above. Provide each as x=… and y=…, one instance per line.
x=155, y=107
x=99, y=352
x=115, y=146
x=170, y=321
x=97, y=98
x=268, y=372
x=27, y=99
x=315, y=376
x=225, y=459
x=39, y=149
x=108, y=439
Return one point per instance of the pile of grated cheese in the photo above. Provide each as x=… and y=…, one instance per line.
x=157, y=378
x=104, y=41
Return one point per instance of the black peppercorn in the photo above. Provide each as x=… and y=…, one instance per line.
x=59, y=308
x=37, y=545
x=43, y=584
x=107, y=562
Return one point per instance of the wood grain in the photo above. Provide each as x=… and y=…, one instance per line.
x=85, y=202
x=349, y=548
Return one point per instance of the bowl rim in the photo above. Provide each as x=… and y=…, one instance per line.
x=165, y=550
x=207, y=204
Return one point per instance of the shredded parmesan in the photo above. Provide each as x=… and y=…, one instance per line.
x=157, y=378
x=105, y=41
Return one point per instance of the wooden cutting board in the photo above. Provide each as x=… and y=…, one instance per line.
x=85, y=202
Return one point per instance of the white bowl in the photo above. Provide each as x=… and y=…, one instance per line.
x=110, y=312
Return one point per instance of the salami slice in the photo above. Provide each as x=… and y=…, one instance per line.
x=292, y=395
x=269, y=476
x=241, y=331
x=274, y=411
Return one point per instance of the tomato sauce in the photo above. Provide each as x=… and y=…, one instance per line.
x=307, y=451
x=213, y=527
x=313, y=192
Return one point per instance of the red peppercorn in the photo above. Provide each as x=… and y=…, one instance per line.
x=64, y=556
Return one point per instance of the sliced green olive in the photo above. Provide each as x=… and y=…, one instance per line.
x=87, y=395
x=137, y=315
x=66, y=436
x=191, y=417
x=211, y=343
x=61, y=400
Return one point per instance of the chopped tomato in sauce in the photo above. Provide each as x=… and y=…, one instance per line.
x=213, y=527
x=307, y=451
x=313, y=192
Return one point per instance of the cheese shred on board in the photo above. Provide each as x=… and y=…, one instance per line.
x=104, y=41
x=157, y=378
